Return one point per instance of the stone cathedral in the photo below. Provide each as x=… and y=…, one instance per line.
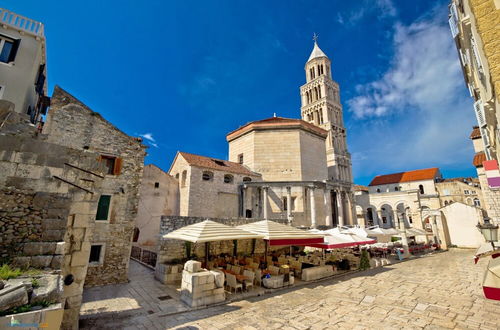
x=278, y=168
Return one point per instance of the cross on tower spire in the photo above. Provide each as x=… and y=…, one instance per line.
x=315, y=37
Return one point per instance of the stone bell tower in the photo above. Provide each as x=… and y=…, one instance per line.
x=321, y=106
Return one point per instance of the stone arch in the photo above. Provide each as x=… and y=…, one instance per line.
x=387, y=215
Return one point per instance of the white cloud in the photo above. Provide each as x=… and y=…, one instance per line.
x=383, y=9
x=417, y=114
x=149, y=139
x=148, y=136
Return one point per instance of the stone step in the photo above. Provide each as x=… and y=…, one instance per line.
x=41, y=248
x=40, y=262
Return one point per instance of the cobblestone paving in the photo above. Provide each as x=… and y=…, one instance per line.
x=434, y=292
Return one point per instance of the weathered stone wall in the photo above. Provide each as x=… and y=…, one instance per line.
x=48, y=202
x=170, y=249
x=27, y=217
x=72, y=124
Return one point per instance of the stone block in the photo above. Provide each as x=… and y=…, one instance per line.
x=37, y=248
x=61, y=248
x=314, y=273
x=79, y=258
x=21, y=262
x=50, y=289
x=57, y=262
x=53, y=235
x=13, y=296
x=218, y=278
x=192, y=266
x=41, y=261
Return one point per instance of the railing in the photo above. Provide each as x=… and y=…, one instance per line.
x=21, y=23
x=144, y=256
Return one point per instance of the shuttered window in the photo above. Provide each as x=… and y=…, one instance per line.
x=103, y=207
x=111, y=165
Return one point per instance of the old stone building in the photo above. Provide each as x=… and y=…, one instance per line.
x=475, y=26
x=158, y=195
x=400, y=200
x=72, y=124
x=279, y=168
x=463, y=190
x=23, y=82
x=209, y=187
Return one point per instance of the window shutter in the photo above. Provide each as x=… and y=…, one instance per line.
x=475, y=55
x=479, y=110
x=118, y=166
x=484, y=135
x=13, y=51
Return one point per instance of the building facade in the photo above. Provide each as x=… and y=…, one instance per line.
x=475, y=26
x=23, y=69
x=463, y=190
x=158, y=195
x=72, y=124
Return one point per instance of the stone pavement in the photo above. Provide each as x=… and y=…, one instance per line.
x=434, y=292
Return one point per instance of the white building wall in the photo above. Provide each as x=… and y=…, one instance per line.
x=461, y=221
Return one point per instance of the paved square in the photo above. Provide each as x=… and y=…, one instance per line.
x=434, y=292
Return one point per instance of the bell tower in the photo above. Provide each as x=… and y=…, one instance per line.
x=321, y=106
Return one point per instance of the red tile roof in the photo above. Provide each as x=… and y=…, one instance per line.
x=358, y=187
x=417, y=175
x=277, y=122
x=216, y=164
x=476, y=133
x=479, y=158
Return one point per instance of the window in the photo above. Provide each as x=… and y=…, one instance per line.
x=137, y=232
x=228, y=178
x=8, y=49
x=207, y=176
x=183, y=179
x=112, y=165
x=466, y=192
x=96, y=253
x=240, y=158
x=247, y=179
x=103, y=207
x=157, y=185
x=378, y=190
x=396, y=188
x=177, y=176
x=477, y=202
x=285, y=204
x=421, y=189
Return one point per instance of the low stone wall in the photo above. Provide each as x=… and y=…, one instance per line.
x=175, y=250
x=30, y=225
x=315, y=273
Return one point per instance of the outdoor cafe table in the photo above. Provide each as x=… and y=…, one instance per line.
x=239, y=278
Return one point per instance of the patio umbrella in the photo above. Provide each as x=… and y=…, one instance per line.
x=491, y=282
x=486, y=250
x=210, y=231
x=278, y=234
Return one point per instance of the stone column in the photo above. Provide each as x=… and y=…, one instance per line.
x=349, y=221
x=264, y=202
x=243, y=196
x=340, y=208
x=380, y=223
x=313, y=207
x=289, y=204
x=328, y=207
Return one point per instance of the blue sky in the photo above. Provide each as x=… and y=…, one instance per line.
x=185, y=73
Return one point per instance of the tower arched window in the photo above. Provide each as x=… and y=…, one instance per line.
x=421, y=189
x=319, y=92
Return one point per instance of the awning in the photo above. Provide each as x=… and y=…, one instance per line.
x=279, y=234
x=210, y=231
x=491, y=282
x=486, y=250
x=336, y=239
x=415, y=232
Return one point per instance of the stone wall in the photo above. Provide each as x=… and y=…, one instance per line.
x=48, y=202
x=491, y=197
x=170, y=249
x=71, y=123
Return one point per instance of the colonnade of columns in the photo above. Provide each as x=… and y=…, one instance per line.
x=343, y=205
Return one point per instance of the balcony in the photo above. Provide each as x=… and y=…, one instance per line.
x=21, y=23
